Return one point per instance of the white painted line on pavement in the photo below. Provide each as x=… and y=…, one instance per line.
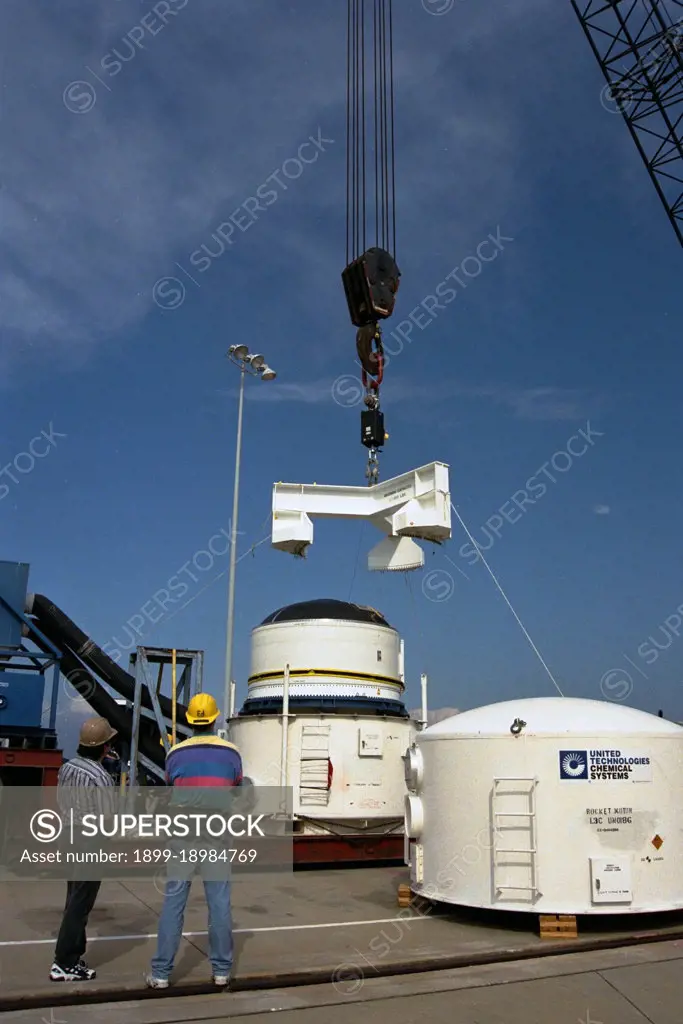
x=236, y=931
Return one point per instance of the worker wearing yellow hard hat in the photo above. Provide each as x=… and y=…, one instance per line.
x=204, y=760
x=202, y=710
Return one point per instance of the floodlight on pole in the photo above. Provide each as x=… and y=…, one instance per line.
x=255, y=366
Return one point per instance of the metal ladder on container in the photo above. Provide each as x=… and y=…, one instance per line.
x=529, y=817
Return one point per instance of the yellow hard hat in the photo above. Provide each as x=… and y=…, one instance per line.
x=202, y=709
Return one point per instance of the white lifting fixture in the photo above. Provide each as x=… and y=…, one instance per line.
x=414, y=505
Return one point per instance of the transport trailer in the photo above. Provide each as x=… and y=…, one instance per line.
x=324, y=851
x=19, y=767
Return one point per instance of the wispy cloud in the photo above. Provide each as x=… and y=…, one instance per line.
x=548, y=403
x=312, y=393
x=322, y=390
x=96, y=205
x=540, y=403
x=602, y=510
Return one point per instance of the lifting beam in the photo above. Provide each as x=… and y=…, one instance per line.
x=414, y=505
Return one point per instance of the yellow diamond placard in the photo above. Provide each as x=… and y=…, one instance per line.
x=657, y=842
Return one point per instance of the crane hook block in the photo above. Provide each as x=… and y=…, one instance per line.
x=371, y=361
x=372, y=428
x=370, y=283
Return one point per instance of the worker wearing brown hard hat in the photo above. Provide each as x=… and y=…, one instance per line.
x=95, y=732
x=84, y=771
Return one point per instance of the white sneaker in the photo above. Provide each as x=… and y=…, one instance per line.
x=78, y=973
x=221, y=980
x=152, y=982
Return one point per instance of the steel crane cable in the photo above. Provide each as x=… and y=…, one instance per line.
x=357, y=199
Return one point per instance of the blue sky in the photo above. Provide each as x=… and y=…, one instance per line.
x=111, y=186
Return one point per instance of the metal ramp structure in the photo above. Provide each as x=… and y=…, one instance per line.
x=523, y=811
x=189, y=669
x=186, y=680
x=414, y=506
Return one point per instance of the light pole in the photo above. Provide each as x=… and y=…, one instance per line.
x=256, y=366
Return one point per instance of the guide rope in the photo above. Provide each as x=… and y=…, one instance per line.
x=505, y=598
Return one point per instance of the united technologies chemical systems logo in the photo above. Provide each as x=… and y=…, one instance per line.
x=574, y=764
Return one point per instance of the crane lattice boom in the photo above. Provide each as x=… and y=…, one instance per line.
x=639, y=46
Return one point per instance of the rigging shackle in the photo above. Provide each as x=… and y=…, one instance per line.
x=372, y=471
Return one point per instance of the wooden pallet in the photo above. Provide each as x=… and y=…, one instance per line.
x=407, y=898
x=405, y=895
x=558, y=926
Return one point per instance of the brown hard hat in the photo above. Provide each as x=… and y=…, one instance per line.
x=95, y=732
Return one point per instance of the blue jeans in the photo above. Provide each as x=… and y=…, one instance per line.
x=171, y=926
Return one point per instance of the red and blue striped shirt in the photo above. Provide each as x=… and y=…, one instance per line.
x=204, y=761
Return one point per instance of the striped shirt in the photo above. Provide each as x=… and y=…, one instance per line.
x=204, y=761
x=80, y=783
x=81, y=771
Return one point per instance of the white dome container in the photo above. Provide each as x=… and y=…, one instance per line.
x=550, y=805
x=347, y=728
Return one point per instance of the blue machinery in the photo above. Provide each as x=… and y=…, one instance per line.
x=23, y=672
x=132, y=702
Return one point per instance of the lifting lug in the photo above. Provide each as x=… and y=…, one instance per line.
x=372, y=471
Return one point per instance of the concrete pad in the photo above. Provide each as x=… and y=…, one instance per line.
x=307, y=928
x=31, y=911
x=582, y=999
x=218, y=1007
x=654, y=988
x=24, y=972
x=304, y=897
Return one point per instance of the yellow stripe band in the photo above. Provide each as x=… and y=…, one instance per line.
x=361, y=677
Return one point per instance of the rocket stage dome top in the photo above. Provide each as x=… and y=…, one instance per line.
x=327, y=608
